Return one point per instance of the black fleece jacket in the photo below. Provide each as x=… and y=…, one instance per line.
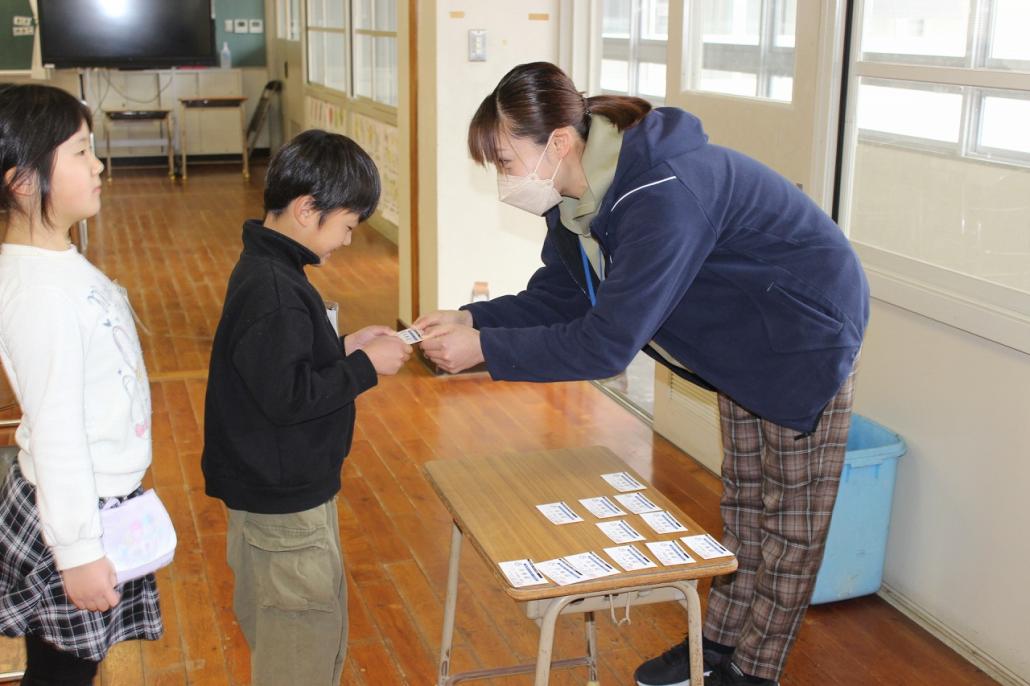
x=279, y=414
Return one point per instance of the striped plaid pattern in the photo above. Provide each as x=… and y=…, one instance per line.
x=778, y=496
x=32, y=599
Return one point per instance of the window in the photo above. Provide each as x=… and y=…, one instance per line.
x=287, y=15
x=937, y=159
x=327, y=44
x=740, y=47
x=375, y=50
x=634, y=35
x=352, y=47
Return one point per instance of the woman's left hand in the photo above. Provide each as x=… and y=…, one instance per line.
x=362, y=337
x=453, y=347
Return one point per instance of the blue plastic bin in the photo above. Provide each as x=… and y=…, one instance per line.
x=857, y=542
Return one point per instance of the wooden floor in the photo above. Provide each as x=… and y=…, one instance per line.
x=172, y=245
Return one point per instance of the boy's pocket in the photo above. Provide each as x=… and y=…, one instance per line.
x=296, y=564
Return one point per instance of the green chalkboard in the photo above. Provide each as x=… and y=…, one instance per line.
x=15, y=51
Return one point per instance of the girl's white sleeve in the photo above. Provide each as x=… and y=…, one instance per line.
x=47, y=348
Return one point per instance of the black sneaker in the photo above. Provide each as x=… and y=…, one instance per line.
x=672, y=668
x=730, y=675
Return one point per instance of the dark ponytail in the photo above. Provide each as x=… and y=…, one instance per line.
x=534, y=99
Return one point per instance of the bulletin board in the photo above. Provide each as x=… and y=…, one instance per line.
x=16, y=50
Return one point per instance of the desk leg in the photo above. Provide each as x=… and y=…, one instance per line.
x=449, y=607
x=167, y=126
x=107, y=140
x=182, y=138
x=546, y=646
x=243, y=140
x=692, y=604
x=591, y=627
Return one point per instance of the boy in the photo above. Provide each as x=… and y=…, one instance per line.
x=279, y=413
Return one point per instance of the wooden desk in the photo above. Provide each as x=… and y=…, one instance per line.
x=164, y=117
x=493, y=504
x=211, y=103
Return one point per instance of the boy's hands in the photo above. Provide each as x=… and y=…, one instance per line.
x=91, y=586
x=427, y=322
x=362, y=337
x=387, y=353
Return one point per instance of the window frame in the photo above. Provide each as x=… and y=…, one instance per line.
x=634, y=50
x=983, y=308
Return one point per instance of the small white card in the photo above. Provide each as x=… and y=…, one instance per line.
x=662, y=522
x=669, y=553
x=591, y=565
x=559, y=513
x=601, y=507
x=629, y=558
x=637, y=503
x=560, y=571
x=619, y=531
x=706, y=546
x=622, y=481
x=409, y=336
x=522, y=573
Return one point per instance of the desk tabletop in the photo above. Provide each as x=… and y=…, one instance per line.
x=493, y=501
x=226, y=101
x=136, y=114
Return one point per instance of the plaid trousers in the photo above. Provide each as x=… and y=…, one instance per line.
x=778, y=496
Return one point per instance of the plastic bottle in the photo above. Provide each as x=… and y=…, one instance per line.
x=226, y=56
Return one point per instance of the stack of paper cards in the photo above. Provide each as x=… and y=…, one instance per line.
x=669, y=553
x=619, y=531
x=706, y=546
x=560, y=513
x=629, y=558
x=623, y=481
x=662, y=522
x=522, y=573
x=601, y=507
x=637, y=503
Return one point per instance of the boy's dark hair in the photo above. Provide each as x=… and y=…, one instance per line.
x=331, y=168
x=34, y=121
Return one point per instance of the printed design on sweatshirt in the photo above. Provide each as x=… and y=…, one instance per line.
x=116, y=317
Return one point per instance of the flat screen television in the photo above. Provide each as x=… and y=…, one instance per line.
x=126, y=34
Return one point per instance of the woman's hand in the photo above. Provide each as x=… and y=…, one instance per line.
x=453, y=347
x=362, y=337
x=427, y=322
x=91, y=586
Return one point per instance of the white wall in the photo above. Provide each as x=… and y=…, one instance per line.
x=466, y=234
x=959, y=545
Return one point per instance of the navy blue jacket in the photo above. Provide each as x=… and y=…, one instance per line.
x=719, y=259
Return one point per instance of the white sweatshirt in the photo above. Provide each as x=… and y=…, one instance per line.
x=70, y=350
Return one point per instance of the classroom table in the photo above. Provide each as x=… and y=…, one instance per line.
x=162, y=117
x=492, y=502
x=203, y=103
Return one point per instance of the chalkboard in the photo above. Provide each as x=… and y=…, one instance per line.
x=16, y=50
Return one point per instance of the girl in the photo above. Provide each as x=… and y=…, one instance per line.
x=70, y=350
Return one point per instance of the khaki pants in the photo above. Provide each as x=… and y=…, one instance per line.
x=291, y=595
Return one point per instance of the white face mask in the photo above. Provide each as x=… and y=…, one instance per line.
x=530, y=193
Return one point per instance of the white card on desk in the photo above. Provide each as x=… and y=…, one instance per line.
x=619, y=531
x=662, y=522
x=637, y=503
x=409, y=336
x=559, y=513
x=560, y=571
x=669, y=553
x=591, y=565
x=522, y=573
x=601, y=507
x=629, y=558
x=623, y=481
x=706, y=546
